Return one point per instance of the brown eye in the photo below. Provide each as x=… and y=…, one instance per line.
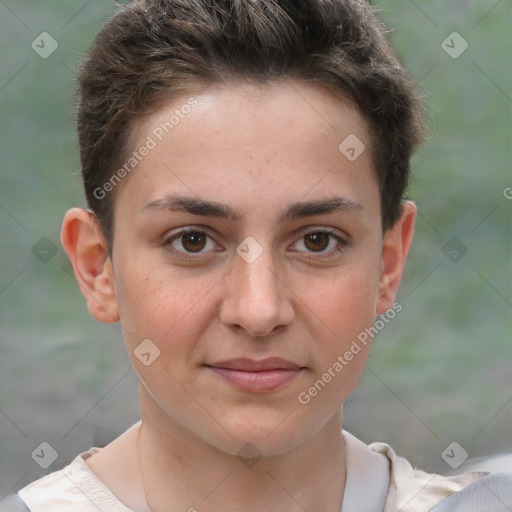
x=317, y=241
x=194, y=241
x=321, y=244
x=190, y=242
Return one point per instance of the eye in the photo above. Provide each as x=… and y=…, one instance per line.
x=322, y=242
x=189, y=241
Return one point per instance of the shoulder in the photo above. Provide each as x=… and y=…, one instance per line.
x=73, y=488
x=414, y=490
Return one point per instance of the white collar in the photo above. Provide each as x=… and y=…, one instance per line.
x=366, y=485
x=368, y=475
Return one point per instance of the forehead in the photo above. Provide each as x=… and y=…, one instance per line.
x=242, y=108
x=268, y=144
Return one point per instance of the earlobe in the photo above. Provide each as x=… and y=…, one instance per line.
x=397, y=242
x=86, y=248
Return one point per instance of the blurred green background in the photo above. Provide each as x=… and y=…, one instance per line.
x=439, y=372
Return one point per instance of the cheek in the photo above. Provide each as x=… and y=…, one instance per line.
x=345, y=302
x=163, y=304
x=145, y=301
x=157, y=315
x=345, y=306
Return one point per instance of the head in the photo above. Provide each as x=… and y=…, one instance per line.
x=279, y=134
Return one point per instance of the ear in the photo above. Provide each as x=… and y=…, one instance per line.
x=397, y=241
x=86, y=247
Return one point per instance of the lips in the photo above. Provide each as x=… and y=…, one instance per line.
x=249, y=365
x=256, y=376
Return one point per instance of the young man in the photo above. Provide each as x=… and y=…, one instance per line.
x=244, y=164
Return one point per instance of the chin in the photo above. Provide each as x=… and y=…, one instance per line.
x=267, y=434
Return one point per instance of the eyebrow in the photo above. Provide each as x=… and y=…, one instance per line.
x=202, y=207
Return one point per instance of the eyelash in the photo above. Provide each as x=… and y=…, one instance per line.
x=341, y=245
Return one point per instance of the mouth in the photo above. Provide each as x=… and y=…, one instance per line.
x=257, y=376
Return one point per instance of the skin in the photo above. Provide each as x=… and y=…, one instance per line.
x=256, y=150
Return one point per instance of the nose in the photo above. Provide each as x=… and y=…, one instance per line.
x=257, y=299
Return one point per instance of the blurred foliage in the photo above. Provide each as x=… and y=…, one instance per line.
x=439, y=372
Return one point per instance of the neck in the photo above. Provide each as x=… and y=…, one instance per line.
x=182, y=472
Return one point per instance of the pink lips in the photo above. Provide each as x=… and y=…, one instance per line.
x=257, y=376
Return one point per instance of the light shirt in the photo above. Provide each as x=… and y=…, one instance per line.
x=377, y=480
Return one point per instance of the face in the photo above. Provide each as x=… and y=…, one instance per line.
x=245, y=233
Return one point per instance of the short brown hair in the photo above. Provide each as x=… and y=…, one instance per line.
x=151, y=49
